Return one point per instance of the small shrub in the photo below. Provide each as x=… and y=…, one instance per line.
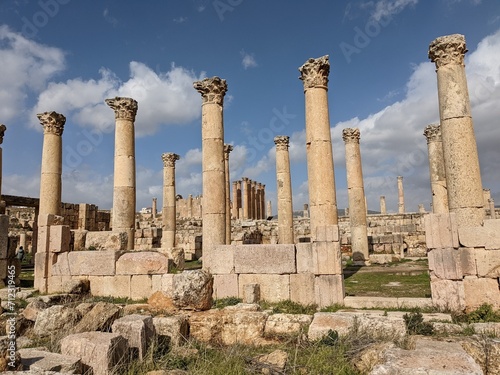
x=415, y=324
x=330, y=339
x=288, y=307
x=332, y=308
x=224, y=302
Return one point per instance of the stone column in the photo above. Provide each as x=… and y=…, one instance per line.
x=463, y=176
x=258, y=197
x=169, y=213
x=212, y=91
x=284, y=191
x=3, y=128
x=154, y=208
x=190, y=206
x=245, y=195
x=401, y=196
x=124, y=175
x=50, y=179
x=227, y=150
x=253, y=200
x=306, y=211
x=486, y=197
x=322, y=197
x=356, y=195
x=269, y=209
x=235, y=200
x=491, y=203
x=263, y=202
x=421, y=208
x=383, y=209
x=436, y=167
x=238, y=200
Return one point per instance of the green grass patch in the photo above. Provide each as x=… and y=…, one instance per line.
x=224, y=302
x=192, y=265
x=482, y=314
x=288, y=307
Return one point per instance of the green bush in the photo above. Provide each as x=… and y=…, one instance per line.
x=415, y=324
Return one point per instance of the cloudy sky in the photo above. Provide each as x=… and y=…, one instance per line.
x=70, y=55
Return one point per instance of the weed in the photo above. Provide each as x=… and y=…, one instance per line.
x=415, y=324
x=224, y=302
x=288, y=307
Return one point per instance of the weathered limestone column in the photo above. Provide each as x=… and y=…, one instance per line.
x=169, y=213
x=227, y=150
x=246, y=196
x=401, y=196
x=124, y=174
x=190, y=205
x=269, y=209
x=239, y=207
x=322, y=197
x=234, y=210
x=284, y=191
x=212, y=91
x=253, y=200
x=263, y=202
x=258, y=198
x=306, y=211
x=3, y=128
x=436, y=167
x=463, y=175
x=421, y=208
x=383, y=209
x=154, y=209
x=50, y=179
x=356, y=195
x=491, y=203
x=486, y=196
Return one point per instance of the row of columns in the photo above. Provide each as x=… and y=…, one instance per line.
x=249, y=200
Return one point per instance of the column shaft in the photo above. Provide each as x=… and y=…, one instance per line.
x=383, y=209
x=284, y=191
x=437, y=169
x=169, y=213
x=401, y=196
x=227, y=150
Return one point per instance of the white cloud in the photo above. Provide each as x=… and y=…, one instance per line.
x=27, y=66
x=385, y=9
x=248, y=60
x=180, y=19
x=164, y=98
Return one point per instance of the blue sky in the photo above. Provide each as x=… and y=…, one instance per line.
x=70, y=55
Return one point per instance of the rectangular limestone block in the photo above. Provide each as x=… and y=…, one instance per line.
x=110, y=240
x=163, y=283
x=273, y=288
x=93, y=263
x=59, y=238
x=42, y=245
x=411, y=303
x=487, y=236
x=446, y=263
x=42, y=265
x=329, y=290
x=176, y=328
x=4, y=236
x=304, y=255
x=371, y=302
x=225, y=286
x=219, y=260
x=61, y=266
x=261, y=259
x=138, y=330
x=140, y=287
x=251, y=293
x=328, y=233
x=105, y=286
x=441, y=230
x=79, y=237
x=327, y=259
x=142, y=263
x=468, y=261
x=302, y=288
x=40, y=361
x=480, y=290
x=46, y=220
x=448, y=294
x=488, y=263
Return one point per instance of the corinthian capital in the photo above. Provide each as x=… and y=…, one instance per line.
x=125, y=108
x=314, y=73
x=449, y=49
x=281, y=142
x=227, y=149
x=169, y=159
x=212, y=90
x=52, y=122
x=433, y=133
x=3, y=128
x=350, y=135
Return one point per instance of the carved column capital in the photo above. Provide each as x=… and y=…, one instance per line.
x=52, y=122
x=314, y=73
x=351, y=135
x=212, y=90
x=449, y=49
x=433, y=133
x=3, y=128
x=125, y=108
x=282, y=142
x=169, y=159
x=227, y=149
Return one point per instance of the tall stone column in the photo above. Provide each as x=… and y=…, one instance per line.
x=491, y=203
x=154, y=208
x=263, y=202
x=212, y=91
x=401, y=196
x=50, y=178
x=258, y=197
x=305, y=211
x=227, y=150
x=436, y=167
x=235, y=200
x=3, y=128
x=269, y=209
x=169, y=213
x=238, y=200
x=124, y=175
x=253, y=188
x=190, y=206
x=246, y=196
x=356, y=195
x=463, y=176
x=322, y=196
x=486, y=196
x=284, y=191
x=383, y=209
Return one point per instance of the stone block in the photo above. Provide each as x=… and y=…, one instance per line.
x=59, y=238
x=273, y=288
x=47, y=220
x=327, y=233
x=422, y=303
x=115, y=286
x=101, y=351
x=42, y=265
x=287, y=324
x=327, y=259
x=225, y=286
x=140, y=287
x=371, y=302
x=40, y=361
x=487, y=263
x=304, y=255
x=61, y=266
x=468, y=260
x=445, y=263
x=110, y=240
x=441, y=231
x=176, y=328
x=219, y=260
x=448, y=294
x=162, y=283
x=487, y=236
x=43, y=240
x=323, y=322
x=138, y=330
x=79, y=237
x=93, y=263
x=329, y=290
x=302, y=288
x=142, y=263
x=251, y=293
x=3, y=268
x=480, y=290
x=4, y=236
x=264, y=259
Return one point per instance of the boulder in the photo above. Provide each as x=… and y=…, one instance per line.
x=192, y=290
x=100, y=318
x=41, y=361
x=76, y=286
x=287, y=324
x=138, y=330
x=161, y=302
x=56, y=319
x=174, y=328
x=31, y=311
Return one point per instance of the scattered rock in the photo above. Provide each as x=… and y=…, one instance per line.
x=174, y=328
x=162, y=302
x=56, y=319
x=100, y=318
x=31, y=311
x=41, y=361
x=138, y=330
x=76, y=286
x=193, y=290
x=275, y=361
